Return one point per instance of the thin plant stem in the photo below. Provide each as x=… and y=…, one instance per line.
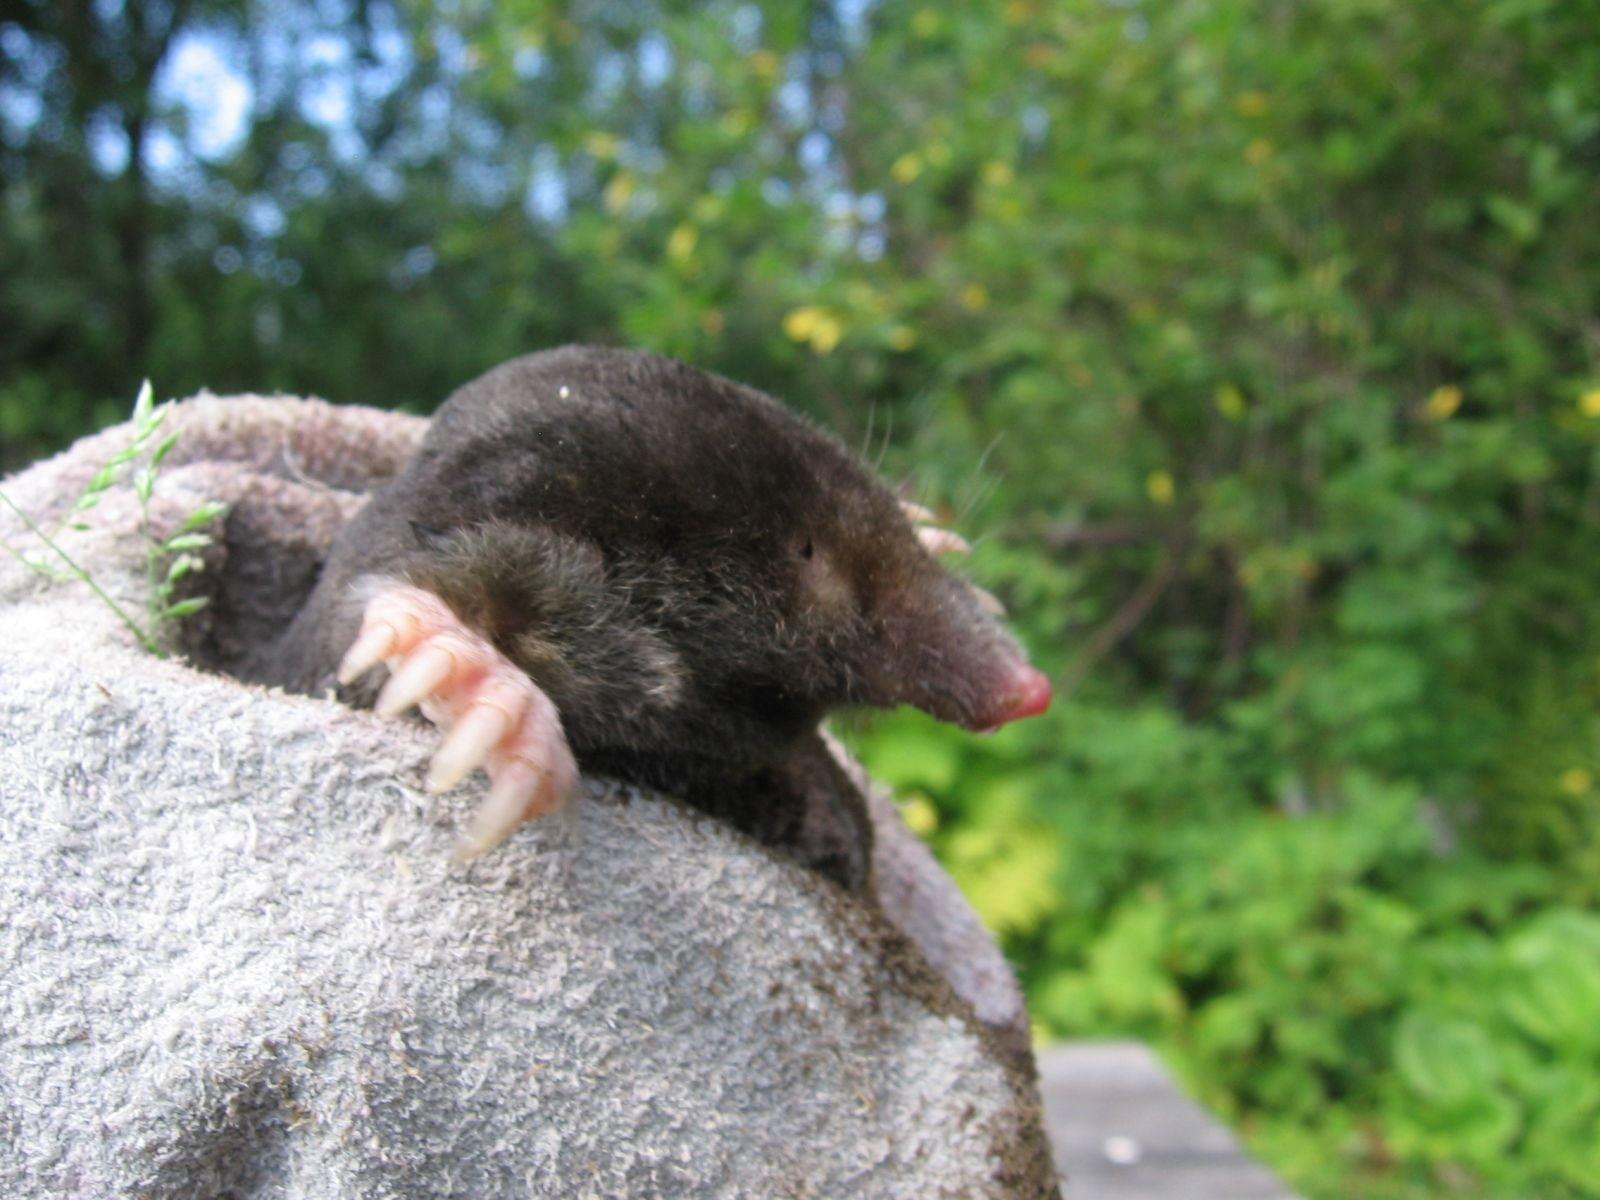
x=79, y=573
x=36, y=568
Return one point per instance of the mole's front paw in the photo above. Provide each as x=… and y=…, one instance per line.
x=494, y=715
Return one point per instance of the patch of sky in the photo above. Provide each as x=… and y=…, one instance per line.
x=1035, y=124
x=21, y=105
x=745, y=28
x=814, y=149
x=213, y=93
x=419, y=261
x=263, y=217
x=655, y=60
x=852, y=17
x=794, y=100
x=108, y=143
x=546, y=198
x=529, y=62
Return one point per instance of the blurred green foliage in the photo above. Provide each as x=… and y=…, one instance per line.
x=1257, y=340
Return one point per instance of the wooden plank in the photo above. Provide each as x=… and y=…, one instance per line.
x=1121, y=1130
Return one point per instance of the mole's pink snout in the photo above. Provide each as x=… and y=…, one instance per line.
x=1026, y=693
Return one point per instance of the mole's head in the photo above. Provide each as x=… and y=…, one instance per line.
x=872, y=617
x=790, y=579
x=783, y=577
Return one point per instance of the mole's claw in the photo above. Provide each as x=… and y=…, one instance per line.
x=989, y=602
x=376, y=643
x=918, y=514
x=533, y=772
x=417, y=679
x=941, y=541
x=467, y=745
x=516, y=786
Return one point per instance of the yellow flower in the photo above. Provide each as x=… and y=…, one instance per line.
x=1251, y=104
x=1444, y=401
x=738, y=122
x=1230, y=402
x=919, y=815
x=816, y=325
x=765, y=64
x=600, y=144
x=1018, y=11
x=997, y=173
x=1257, y=152
x=1589, y=403
x=682, y=242
x=825, y=336
x=1159, y=487
x=975, y=297
x=799, y=323
x=906, y=168
x=1575, y=781
x=618, y=192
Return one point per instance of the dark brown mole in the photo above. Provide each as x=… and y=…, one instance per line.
x=693, y=574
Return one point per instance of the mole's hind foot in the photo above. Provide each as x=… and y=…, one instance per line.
x=493, y=714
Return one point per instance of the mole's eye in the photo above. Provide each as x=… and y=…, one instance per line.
x=807, y=550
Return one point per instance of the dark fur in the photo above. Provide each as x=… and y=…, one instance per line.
x=695, y=576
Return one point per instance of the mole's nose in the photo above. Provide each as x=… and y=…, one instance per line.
x=1027, y=695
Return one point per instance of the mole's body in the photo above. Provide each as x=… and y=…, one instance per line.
x=689, y=576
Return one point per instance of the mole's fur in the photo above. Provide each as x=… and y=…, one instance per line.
x=693, y=574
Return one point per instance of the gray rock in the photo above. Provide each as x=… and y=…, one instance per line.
x=238, y=961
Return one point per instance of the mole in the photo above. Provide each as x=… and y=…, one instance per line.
x=607, y=559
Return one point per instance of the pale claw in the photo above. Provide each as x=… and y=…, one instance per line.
x=467, y=746
x=989, y=602
x=917, y=513
x=419, y=677
x=496, y=717
x=374, y=644
x=941, y=541
x=533, y=772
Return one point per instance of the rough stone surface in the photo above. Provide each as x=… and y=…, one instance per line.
x=238, y=961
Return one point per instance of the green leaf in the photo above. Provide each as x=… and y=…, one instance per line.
x=100, y=480
x=181, y=566
x=1520, y=221
x=185, y=607
x=163, y=450
x=1553, y=992
x=187, y=541
x=1446, y=1060
x=1228, y=1025
x=206, y=512
x=143, y=403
